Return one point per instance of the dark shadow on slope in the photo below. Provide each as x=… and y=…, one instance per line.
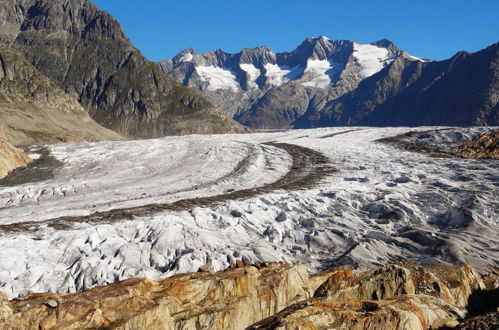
x=38, y=170
x=482, y=311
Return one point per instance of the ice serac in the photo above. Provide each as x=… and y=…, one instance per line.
x=263, y=296
x=34, y=110
x=264, y=89
x=85, y=52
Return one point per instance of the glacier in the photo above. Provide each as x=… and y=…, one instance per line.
x=380, y=204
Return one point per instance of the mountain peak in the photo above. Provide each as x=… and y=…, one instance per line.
x=385, y=43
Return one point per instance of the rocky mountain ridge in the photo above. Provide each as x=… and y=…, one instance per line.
x=342, y=83
x=264, y=89
x=270, y=296
x=460, y=91
x=85, y=52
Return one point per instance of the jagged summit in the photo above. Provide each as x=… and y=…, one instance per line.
x=243, y=82
x=326, y=82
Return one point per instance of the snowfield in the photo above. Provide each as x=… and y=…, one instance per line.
x=381, y=204
x=372, y=58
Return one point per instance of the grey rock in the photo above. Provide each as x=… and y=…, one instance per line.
x=460, y=91
x=85, y=52
x=266, y=105
x=34, y=110
x=208, y=268
x=51, y=303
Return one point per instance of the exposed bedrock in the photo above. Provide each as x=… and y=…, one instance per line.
x=267, y=296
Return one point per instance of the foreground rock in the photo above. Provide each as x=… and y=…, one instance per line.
x=403, y=296
x=484, y=146
x=11, y=158
x=400, y=296
x=228, y=300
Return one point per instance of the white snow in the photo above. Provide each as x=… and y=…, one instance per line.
x=372, y=59
x=382, y=204
x=320, y=72
x=217, y=78
x=417, y=58
x=110, y=175
x=278, y=75
x=186, y=57
x=253, y=74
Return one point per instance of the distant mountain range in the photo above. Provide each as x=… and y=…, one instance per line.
x=336, y=83
x=85, y=53
x=68, y=69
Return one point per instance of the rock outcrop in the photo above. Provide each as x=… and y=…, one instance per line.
x=232, y=299
x=34, y=110
x=484, y=146
x=266, y=296
x=85, y=52
x=11, y=158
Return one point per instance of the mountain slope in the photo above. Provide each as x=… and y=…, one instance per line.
x=86, y=53
x=463, y=90
x=263, y=89
x=337, y=83
x=34, y=110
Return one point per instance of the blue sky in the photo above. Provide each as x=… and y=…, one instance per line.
x=432, y=29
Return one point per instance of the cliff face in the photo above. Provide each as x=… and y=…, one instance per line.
x=403, y=296
x=34, y=110
x=84, y=51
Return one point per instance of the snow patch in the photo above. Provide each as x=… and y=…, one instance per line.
x=253, y=74
x=186, y=57
x=417, y=58
x=320, y=72
x=372, y=59
x=278, y=75
x=217, y=78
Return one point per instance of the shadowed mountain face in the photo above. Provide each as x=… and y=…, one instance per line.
x=84, y=51
x=463, y=90
x=336, y=83
x=34, y=110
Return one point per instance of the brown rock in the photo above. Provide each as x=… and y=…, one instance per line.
x=398, y=296
x=405, y=312
x=11, y=158
x=451, y=283
x=240, y=264
x=233, y=299
x=483, y=146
